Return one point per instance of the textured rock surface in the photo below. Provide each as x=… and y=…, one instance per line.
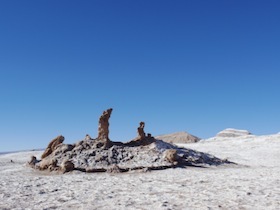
x=179, y=137
x=52, y=146
x=87, y=156
x=140, y=129
x=67, y=166
x=103, y=129
x=103, y=124
x=171, y=155
x=230, y=132
x=103, y=155
x=142, y=139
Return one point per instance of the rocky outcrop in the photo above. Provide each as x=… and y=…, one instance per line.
x=52, y=146
x=142, y=139
x=230, y=132
x=48, y=163
x=103, y=125
x=103, y=129
x=141, y=133
x=179, y=137
x=67, y=166
x=88, y=157
x=142, y=153
x=171, y=156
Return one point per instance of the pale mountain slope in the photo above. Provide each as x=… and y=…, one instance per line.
x=179, y=137
x=231, y=132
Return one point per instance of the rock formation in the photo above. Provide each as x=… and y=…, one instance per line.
x=49, y=164
x=142, y=139
x=67, y=166
x=103, y=125
x=102, y=155
x=103, y=129
x=52, y=146
x=141, y=133
x=171, y=156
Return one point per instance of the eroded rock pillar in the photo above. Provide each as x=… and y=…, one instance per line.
x=103, y=124
x=141, y=133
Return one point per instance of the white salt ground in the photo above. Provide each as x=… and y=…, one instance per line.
x=253, y=184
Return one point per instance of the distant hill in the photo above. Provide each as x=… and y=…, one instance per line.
x=231, y=132
x=179, y=137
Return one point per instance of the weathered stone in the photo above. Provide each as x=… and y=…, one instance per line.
x=62, y=148
x=67, y=166
x=103, y=130
x=171, y=155
x=48, y=163
x=141, y=139
x=101, y=155
x=52, y=146
x=140, y=129
x=103, y=125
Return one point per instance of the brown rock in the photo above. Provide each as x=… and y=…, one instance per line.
x=103, y=130
x=52, y=146
x=103, y=125
x=95, y=156
x=62, y=148
x=67, y=166
x=141, y=133
x=141, y=139
x=171, y=155
x=48, y=163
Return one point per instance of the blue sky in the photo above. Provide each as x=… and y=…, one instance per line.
x=195, y=66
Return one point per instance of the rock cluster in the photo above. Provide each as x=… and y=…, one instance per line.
x=52, y=146
x=103, y=155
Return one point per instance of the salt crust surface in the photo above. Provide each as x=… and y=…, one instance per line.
x=252, y=184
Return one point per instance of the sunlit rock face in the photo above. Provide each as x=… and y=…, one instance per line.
x=103, y=155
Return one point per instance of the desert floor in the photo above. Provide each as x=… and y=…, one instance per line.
x=252, y=184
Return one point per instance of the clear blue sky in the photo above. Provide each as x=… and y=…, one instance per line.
x=189, y=65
